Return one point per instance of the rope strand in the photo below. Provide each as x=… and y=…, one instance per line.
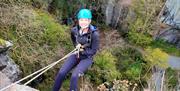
x=41, y=70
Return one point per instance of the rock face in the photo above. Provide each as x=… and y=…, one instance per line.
x=171, y=17
x=9, y=71
x=156, y=79
x=18, y=87
x=7, y=65
x=170, y=35
x=115, y=11
x=171, y=13
x=4, y=81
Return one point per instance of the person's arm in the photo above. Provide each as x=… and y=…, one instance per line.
x=94, y=45
x=73, y=38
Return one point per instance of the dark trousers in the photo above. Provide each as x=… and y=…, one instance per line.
x=79, y=68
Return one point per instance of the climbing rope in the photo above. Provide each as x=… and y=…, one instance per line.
x=41, y=71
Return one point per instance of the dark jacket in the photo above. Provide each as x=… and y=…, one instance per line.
x=90, y=40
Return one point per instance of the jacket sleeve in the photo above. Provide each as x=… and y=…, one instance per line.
x=94, y=45
x=73, y=38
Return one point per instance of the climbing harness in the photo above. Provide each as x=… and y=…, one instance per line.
x=41, y=71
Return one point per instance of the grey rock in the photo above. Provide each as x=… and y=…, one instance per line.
x=11, y=70
x=174, y=62
x=171, y=14
x=170, y=35
x=2, y=67
x=18, y=87
x=7, y=65
x=5, y=47
x=115, y=11
x=5, y=81
x=171, y=17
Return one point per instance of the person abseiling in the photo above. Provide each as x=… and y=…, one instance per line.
x=86, y=37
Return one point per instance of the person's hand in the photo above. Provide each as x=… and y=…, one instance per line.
x=80, y=50
x=78, y=46
x=82, y=47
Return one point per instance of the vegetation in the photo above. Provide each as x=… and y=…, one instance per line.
x=39, y=37
x=171, y=78
x=2, y=42
x=157, y=57
x=104, y=68
x=166, y=47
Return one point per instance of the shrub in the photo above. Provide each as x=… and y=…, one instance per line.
x=139, y=38
x=2, y=42
x=171, y=76
x=141, y=19
x=166, y=47
x=53, y=33
x=130, y=63
x=156, y=57
x=37, y=40
x=104, y=68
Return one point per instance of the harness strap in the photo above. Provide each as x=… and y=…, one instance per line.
x=89, y=38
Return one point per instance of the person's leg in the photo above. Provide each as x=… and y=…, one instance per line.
x=66, y=67
x=80, y=69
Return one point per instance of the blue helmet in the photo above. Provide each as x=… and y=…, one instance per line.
x=84, y=13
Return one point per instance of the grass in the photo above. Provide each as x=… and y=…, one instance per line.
x=2, y=42
x=45, y=40
x=37, y=45
x=166, y=47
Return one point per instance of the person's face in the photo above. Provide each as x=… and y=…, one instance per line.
x=84, y=23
